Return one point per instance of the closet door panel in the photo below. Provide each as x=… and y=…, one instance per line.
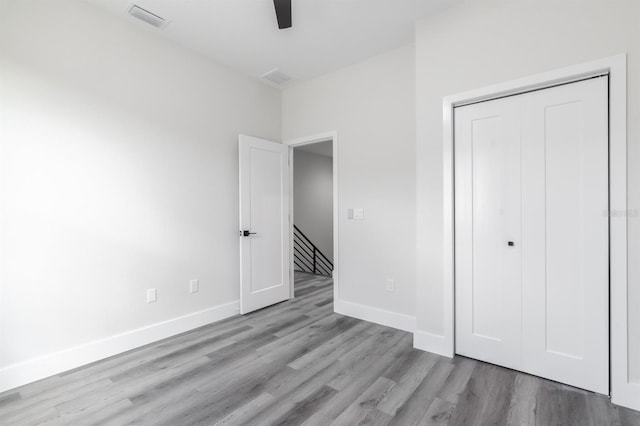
x=565, y=233
x=488, y=282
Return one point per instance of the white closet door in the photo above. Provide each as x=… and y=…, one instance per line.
x=487, y=199
x=565, y=229
x=532, y=169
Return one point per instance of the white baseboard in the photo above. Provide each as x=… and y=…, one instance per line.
x=430, y=342
x=626, y=395
x=376, y=315
x=47, y=365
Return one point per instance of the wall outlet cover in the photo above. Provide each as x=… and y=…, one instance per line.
x=390, y=284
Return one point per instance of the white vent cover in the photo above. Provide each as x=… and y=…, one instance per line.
x=146, y=16
x=275, y=77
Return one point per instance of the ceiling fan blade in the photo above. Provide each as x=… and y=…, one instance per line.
x=283, y=13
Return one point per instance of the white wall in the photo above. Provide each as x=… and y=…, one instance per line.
x=370, y=105
x=313, y=198
x=483, y=43
x=119, y=173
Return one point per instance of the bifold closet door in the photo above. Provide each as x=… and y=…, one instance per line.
x=487, y=217
x=531, y=194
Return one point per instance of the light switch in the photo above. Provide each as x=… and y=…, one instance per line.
x=358, y=213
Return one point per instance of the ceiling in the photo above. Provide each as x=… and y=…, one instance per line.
x=243, y=34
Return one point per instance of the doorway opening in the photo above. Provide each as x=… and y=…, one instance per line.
x=313, y=207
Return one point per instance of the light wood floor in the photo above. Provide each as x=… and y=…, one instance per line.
x=299, y=363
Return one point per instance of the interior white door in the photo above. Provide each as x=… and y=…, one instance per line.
x=532, y=287
x=264, y=227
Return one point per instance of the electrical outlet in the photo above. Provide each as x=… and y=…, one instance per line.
x=390, y=284
x=152, y=295
x=194, y=286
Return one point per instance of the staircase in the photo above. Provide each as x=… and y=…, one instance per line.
x=307, y=257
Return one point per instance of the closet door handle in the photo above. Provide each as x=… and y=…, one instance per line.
x=510, y=244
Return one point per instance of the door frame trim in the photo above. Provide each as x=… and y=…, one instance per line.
x=623, y=391
x=308, y=140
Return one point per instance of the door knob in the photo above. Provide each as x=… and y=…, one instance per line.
x=510, y=243
x=247, y=233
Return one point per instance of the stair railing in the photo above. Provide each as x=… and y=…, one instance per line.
x=307, y=257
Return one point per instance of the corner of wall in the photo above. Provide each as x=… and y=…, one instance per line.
x=434, y=343
x=376, y=315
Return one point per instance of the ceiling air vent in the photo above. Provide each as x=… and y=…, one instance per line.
x=275, y=77
x=146, y=16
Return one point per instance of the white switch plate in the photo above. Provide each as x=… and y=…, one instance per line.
x=349, y=213
x=194, y=286
x=358, y=213
x=152, y=295
x=391, y=285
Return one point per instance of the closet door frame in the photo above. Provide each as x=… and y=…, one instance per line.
x=621, y=390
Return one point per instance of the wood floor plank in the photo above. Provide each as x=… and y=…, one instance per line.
x=522, y=408
x=10, y=397
x=95, y=414
x=360, y=359
x=294, y=363
x=376, y=417
x=296, y=385
x=358, y=380
x=314, y=328
x=415, y=407
x=561, y=406
x=324, y=302
x=32, y=417
x=243, y=414
x=367, y=401
x=305, y=344
x=314, y=315
x=486, y=398
x=43, y=404
x=457, y=381
x=303, y=409
x=293, y=384
x=345, y=338
x=628, y=417
x=438, y=413
x=255, y=384
x=270, y=414
x=601, y=411
x=141, y=385
x=408, y=372
x=185, y=353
